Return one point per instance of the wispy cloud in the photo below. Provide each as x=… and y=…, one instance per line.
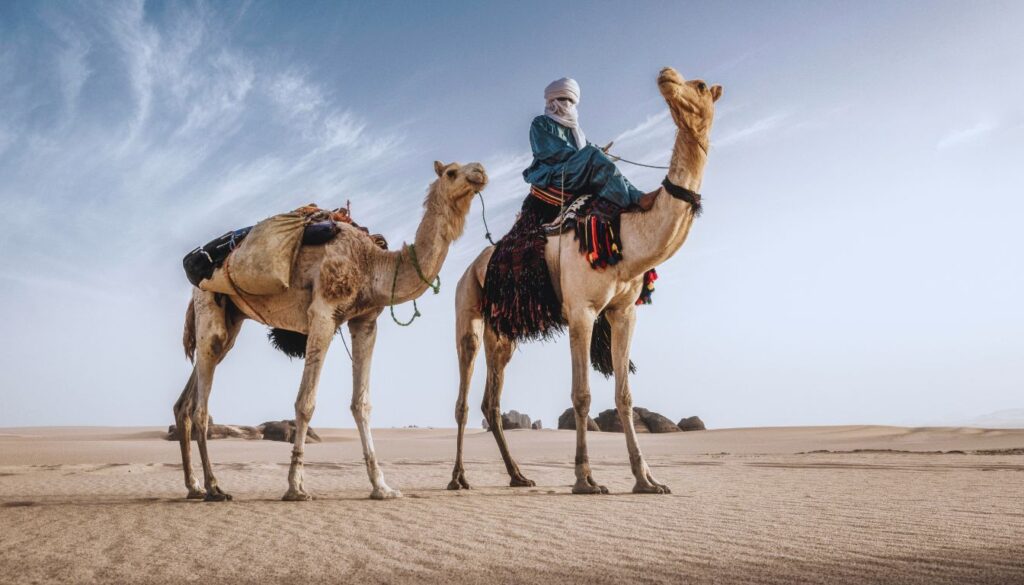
x=751, y=131
x=207, y=132
x=965, y=135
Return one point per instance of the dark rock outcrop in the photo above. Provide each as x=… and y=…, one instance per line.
x=568, y=421
x=284, y=430
x=537, y=425
x=609, y=422
x=515, y=420
x=215, y=431
x=655, y=422
x=692, y=423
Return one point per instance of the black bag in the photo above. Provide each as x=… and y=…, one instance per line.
x=200, y=263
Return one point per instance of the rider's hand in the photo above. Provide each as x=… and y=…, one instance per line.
x=607, y=147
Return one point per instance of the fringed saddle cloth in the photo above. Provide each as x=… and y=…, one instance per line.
x=519, y=300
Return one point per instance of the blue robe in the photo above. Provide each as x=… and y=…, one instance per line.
x=586, y=170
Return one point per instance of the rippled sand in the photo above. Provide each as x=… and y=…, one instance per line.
x=748, y=505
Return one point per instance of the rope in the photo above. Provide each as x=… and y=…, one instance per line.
x=345, y=343
x=483, y=215
x=415, y=264
x=415, y=309
x=619, y=158
x=436, y=287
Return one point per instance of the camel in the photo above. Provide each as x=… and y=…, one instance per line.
x=348, y=280
x=649, y=239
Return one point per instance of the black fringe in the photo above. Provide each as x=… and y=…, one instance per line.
x=601, y=348
x=291, y=343
x=519, y=300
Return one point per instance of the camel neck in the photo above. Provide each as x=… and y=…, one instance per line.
x=651, y=237
x=397, y=274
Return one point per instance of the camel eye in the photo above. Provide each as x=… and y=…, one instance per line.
x=450, y=173
x=702, y=86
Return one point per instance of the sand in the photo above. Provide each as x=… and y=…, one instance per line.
x=101, y=505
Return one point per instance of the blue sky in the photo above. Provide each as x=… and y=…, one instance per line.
x=859, y=260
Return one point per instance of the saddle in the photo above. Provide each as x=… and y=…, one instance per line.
x=258, y=260
x=595, y=223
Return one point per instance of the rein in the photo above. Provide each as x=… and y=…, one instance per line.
x=434, y=286
x=483, y=215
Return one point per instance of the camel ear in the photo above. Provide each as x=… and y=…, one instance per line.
x=716, y=92
x=438, y=167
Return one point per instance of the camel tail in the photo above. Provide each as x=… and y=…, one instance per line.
x=601, y=348
x=189, y=337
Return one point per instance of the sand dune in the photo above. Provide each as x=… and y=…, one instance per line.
x=748, y=505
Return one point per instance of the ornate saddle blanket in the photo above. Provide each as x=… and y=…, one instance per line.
x=519, y=300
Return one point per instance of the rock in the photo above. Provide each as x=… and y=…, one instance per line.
x=609, y=422
x=215, y=431
x=515, y=420
x=655, y=422
x=284, y=430
x=568, y=421
x=537, y=425
x=692, y=423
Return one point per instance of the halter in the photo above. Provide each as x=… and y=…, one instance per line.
x=683, y=194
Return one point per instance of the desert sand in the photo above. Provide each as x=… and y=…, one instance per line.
x=104, y=505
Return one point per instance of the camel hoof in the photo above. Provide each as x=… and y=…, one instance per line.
x=296, y=496
x=217, y=496
x=458, y=484
x=385, y=494
x=196, y=495
x=587, y=488
x=522, y=482
x=643, y=488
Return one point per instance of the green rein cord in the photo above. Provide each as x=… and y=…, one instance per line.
x=434, y=286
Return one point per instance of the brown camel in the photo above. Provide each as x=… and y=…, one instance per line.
x=649, y=238
x=348, y=280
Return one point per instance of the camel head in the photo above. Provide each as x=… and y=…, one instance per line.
x=692, y=103
x=458, y=182
x=451, y=195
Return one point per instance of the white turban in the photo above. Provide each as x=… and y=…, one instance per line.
x=565, y=112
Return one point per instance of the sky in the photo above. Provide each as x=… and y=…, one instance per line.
x=860, y=259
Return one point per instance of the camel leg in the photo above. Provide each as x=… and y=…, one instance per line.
x=581, y=327
x=499, y=353
x=622, y=325
x=364, y=335
x=468, y=329
x=321, y=330
x=182, y=418
x=215, y=335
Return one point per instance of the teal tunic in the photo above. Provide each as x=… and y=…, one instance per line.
x=558, y=163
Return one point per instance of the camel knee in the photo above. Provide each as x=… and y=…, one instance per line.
x=581, y=405
x=303, y=412
x=490, y=409
x=200, y=418
x=623, y=402
x=360, y=410
x=461, y=411
x=469, y=345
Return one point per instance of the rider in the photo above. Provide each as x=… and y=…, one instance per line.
x=565, y=164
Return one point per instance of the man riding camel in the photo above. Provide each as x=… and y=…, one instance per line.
x=519, y=300
x=565, y=164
